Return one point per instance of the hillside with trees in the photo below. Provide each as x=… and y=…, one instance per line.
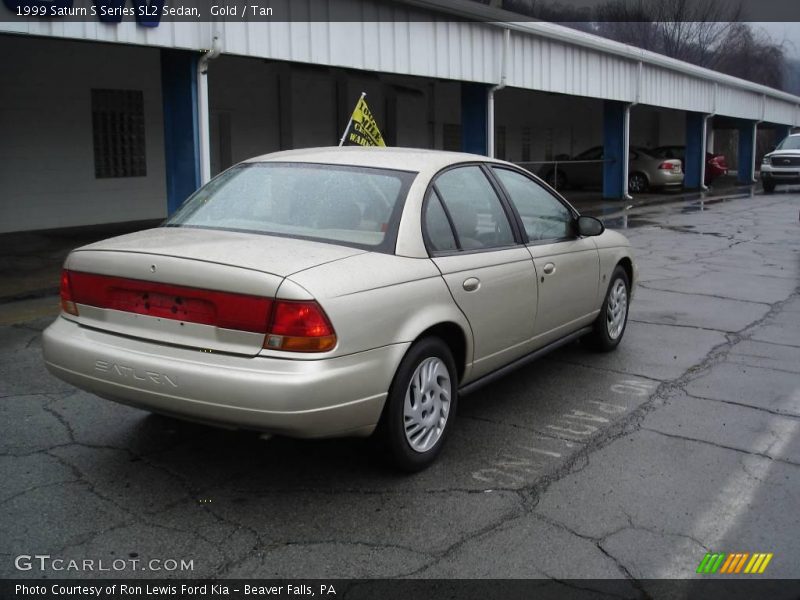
x=707, y=33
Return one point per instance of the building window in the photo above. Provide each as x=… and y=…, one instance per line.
x=118, y=129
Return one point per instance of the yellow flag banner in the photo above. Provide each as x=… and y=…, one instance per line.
x=362, y=129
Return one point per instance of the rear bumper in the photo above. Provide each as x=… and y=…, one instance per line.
x=300, y=398
x=667, y=179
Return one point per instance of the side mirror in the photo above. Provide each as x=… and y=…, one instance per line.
x=588, y=226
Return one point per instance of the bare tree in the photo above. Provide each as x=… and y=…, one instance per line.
x=703, y=32
x=708, y=33
x=691, y=30
x=630, y=22
x=688, y=30
x=752, y=55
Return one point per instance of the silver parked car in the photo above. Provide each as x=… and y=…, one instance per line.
x=340, y=292
x=645, y=171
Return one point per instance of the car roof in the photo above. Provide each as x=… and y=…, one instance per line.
x=406, y=159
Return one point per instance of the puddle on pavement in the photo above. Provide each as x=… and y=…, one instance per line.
x=626, y=222
x=631, y=216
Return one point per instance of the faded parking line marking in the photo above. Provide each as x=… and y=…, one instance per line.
x=569, y=429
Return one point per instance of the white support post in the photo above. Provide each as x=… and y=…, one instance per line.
x=203, y=117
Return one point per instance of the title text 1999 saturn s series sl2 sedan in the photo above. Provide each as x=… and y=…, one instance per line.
x=338, y=292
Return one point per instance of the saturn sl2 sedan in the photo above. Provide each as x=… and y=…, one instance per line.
x=340, y=292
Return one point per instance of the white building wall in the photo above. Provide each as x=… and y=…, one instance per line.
x=732, y=102
x=776, y=111
x=413, y=41
x=664, y=88
x=46, y=147
x=548, y=65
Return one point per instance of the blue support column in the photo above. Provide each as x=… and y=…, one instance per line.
x=181, y=138
x=473, y=118
x=747, y=150
x=615, y=136
x=781, y=133
x=695, y=150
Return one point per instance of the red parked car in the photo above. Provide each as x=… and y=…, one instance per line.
x=716, y=164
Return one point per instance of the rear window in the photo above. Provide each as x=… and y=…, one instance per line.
x=352, y=205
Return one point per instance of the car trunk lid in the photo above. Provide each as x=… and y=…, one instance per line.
x=206, y=289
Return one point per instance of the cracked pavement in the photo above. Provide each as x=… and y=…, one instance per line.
x=629, y=465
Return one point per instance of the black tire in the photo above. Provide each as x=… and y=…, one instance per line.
x=600, y=338
x=556, y=179
x=638, y=183
x=391, y=430
x=769, y=186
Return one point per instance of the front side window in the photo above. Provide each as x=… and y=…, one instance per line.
x=353, y=205
x=474, y=209
x=543, y=216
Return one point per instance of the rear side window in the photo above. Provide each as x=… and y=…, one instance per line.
x=543, y=216
x=474, y=209
x=354, y=205
x=437, y=226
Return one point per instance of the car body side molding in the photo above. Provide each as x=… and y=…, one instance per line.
x=522, y=361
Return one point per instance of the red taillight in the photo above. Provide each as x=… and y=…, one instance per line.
x=65, y=291
x=667, y=166
x=286, y=325
x=192, y=305
x=299, y=327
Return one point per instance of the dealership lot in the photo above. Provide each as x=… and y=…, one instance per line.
x=686, y=440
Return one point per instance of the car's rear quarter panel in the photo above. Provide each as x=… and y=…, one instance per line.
x=375, y=300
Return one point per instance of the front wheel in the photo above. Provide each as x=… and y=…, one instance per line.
x=420, y=406
x=610, y=324
x=769, y=186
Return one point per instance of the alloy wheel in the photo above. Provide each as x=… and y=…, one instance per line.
x=617, y=309
x=427, y=404
x=637, y=183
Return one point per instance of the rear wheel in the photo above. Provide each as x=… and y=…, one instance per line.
x=420, y=406
x=613, y=318
x=637, y=183
x=769, y=185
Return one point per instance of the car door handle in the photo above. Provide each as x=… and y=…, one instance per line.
x=471, y=284
x=549, y=269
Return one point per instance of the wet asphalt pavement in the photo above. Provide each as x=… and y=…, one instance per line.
x=633, y=464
